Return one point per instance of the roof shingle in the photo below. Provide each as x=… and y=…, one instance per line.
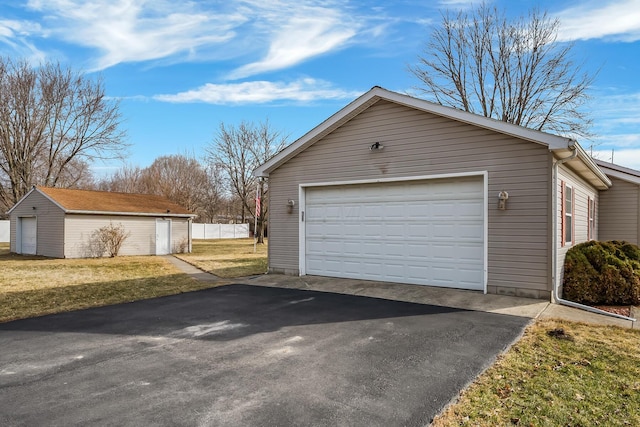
x=108, y=202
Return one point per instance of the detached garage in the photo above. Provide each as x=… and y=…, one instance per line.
x=61, y=223
x=398, y=189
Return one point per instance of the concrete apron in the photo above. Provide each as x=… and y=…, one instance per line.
x=457, y=298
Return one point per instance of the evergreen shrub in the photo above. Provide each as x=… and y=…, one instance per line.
x=606, y=273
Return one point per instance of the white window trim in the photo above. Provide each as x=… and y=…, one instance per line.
x=591, y=218
x=565, y=214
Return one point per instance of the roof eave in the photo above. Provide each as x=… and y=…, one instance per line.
x=377, y=93
x=620, y=172
x=146, y=214
x=584, y=166
x=45, y=195
x=20, y=201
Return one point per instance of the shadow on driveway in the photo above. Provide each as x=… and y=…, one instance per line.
x=225, y=313
x=246, y=355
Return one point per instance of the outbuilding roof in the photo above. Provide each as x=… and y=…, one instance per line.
x=110, y=203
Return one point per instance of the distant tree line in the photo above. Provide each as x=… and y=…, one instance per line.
x=219, y=187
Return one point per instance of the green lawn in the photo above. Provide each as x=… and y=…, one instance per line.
x=588, y=376
x=33, y=286
x=228, y=257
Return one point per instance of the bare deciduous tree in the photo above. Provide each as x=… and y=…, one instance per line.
x=52, y=121
x=514, y=71
x=180, y=178
x=127, y=179
x=213, y=203
x=238, y=150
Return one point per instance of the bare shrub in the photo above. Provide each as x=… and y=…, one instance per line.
x=108, y=239
x=181, y=247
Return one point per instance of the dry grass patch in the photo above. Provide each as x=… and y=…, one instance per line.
x=4, y=249
x=34, y=286
x=228, y=257
x=560, y=373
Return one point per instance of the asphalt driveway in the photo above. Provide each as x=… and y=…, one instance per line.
x=242, y=355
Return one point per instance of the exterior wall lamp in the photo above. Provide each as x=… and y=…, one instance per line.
x=290, y=204
x=502, y=200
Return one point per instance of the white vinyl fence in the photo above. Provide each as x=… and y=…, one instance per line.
x=219, y=231
x=4, y=231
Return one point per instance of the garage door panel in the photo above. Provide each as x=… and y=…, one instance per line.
x=421, y=232
x=391, y=250
x=393, y=212
x=468, y=232
x=370, y=250
x=392, y=230
x=372, y=269
x=394, y=270
x=417, y=272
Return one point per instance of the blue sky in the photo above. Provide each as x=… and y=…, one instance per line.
x=180, y=68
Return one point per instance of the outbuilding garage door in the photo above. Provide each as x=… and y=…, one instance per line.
x=427, y=232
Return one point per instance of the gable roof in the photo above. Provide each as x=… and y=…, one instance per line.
x=561, y=146
x=620, y=172
x=110, y=203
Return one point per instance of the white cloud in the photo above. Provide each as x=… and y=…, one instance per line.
x=629, y=157
x=616, y=114
x=614, y=20
x=256, y=92
x=296, y=32
x=617, y=126
x=130, y=30
x=15, y=35
x=460, y=4
x=270, y=35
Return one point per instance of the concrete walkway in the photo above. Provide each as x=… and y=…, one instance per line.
x=456, y=298
x=191, y=270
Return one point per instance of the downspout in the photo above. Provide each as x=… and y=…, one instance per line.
x=556, y=280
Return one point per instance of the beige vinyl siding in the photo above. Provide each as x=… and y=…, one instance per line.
x=422, y=144
x=582, y=192
x=50, y=223
x=179, y=233
x=141, y=240
x=619, y=208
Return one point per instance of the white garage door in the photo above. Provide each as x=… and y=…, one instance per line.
x=420, y=232
x=28, y=236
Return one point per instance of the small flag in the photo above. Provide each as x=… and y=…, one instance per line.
x=257, y=204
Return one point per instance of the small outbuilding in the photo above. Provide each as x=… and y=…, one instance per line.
x=62, y=223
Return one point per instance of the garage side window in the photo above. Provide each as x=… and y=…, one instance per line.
x=567, y=214
x=591, y=225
